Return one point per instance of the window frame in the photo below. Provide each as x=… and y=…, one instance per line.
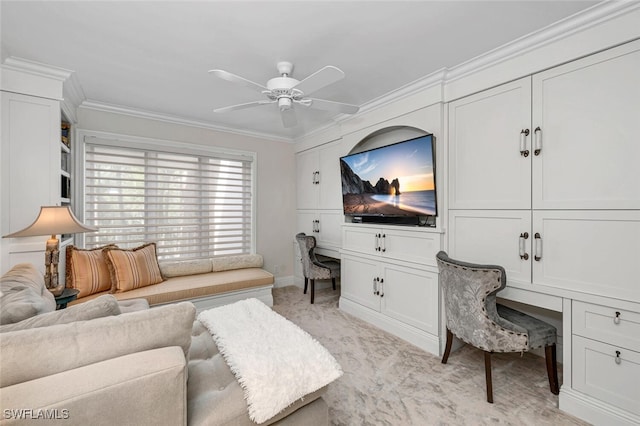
x=157, y=145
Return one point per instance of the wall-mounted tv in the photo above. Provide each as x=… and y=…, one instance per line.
x=394, y=181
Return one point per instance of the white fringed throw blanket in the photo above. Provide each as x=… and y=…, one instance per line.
x=274, y=360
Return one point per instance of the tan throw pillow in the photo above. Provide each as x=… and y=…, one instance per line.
x=87, y=270
x=131, y=269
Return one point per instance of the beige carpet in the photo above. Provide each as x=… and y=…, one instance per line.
x=388, y=381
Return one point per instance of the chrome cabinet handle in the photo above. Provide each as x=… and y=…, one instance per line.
x=317, y=178
x=384, y=242
x=375, y=287
x=616, y=319
x=538, y=253
x=523, y=143
x=523, y=254
x=618, y=359
x=377, y=243
x=538, y=133
x=381, y=292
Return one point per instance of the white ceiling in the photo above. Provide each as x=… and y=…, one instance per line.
x=154, y=55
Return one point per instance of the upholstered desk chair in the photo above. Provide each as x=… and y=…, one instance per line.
x=312, y=268
x=474, y=317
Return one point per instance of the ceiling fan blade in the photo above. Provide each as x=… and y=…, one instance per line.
x=333, y=106
x=320, y=79
x=225, y=75
x=289, y=118
x=243, y=106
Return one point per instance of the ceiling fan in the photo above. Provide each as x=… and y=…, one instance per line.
x=286, y=91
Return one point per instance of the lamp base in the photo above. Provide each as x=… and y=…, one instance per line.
x=51, y=257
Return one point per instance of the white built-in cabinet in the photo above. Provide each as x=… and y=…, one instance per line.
x=390, y=279
x=30, y=171
x=319, y=196
x=544, y=179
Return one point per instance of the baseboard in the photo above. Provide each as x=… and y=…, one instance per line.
x=422, y=339
x=320, y=284
x=593, y=410
x=284, y=281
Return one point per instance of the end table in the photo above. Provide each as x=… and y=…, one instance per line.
x=68, y=295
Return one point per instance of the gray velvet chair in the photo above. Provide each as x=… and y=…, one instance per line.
x=312, y=268
x=473, y=316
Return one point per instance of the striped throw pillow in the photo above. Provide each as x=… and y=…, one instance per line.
x=131, y=269
x=87, y=271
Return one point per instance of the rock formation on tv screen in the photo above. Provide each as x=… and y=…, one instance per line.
x=353, y=184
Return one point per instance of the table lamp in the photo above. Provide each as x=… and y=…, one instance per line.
x=53, y=220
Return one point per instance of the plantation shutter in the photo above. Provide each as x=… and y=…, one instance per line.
x=192, y=205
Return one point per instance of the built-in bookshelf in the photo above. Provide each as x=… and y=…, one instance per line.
x=66, y=168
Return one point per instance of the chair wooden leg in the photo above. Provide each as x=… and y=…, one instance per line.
x=552, y=368
x=313, y=290
x=306, y=281
x=333, y=281
x=447, y=347
x=487, y=372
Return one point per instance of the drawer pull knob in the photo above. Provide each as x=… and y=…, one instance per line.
x=618, y=359
x=616, y=319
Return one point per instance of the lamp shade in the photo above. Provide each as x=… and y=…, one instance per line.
x=53, y=220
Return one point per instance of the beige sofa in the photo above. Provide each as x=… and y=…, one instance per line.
x=205, y=282
x=92, y=364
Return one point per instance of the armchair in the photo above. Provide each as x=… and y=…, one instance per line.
x=474, y=317
x=312, y=268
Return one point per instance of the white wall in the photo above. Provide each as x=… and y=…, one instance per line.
x=275, y=201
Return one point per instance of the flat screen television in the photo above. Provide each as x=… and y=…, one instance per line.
x=394, y=181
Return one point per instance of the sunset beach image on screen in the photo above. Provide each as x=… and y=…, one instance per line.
x=394, y=180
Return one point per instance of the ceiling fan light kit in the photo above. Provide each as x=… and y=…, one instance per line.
x=287, y=91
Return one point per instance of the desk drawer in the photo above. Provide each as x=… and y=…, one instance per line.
x=602, y=373
x=607, y=324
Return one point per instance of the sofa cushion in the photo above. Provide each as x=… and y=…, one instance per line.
x=185, y=267
x=196, y=286
x=101, y=307
x=39, y=352
x=87, y=270
x=134, y=268
x=24, y=294
x=227, y=263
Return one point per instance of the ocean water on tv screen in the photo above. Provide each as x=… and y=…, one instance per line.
x=421, y=202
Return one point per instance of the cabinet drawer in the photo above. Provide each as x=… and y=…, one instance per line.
x=596, y=373
x=607, y=324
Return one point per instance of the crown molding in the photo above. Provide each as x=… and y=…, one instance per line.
x=37, y=68
x=167, y=118
x=566, y=27
x=559, y=30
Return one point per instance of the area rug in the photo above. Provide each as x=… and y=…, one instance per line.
x=274, y=360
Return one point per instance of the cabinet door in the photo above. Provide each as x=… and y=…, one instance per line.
x=486, y=168
x=410, y=296
x=587, y=112
x=306, y=222
x=307, y=169
x=493, y=237
x=330, y=185
x=330, y=227
x=589, y=251
x=30, y=170
x=360, y=238
x=410, y=245
x=358, y=281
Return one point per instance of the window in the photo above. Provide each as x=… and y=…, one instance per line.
x=193, y=205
